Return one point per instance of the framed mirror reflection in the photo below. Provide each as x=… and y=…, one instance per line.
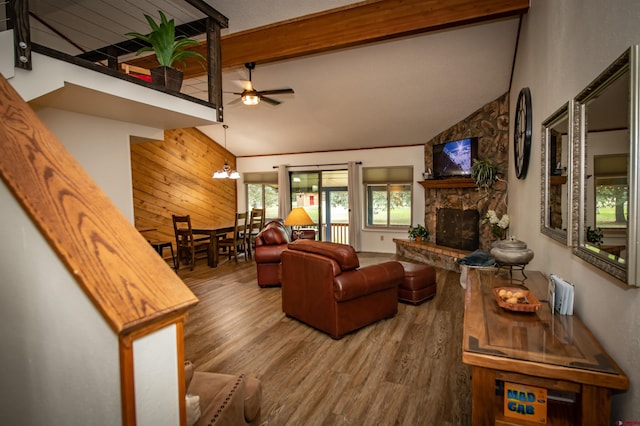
x=605, y=182
x=555, y=206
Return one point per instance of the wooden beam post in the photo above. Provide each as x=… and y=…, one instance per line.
x=18, y=13
x=214, y=70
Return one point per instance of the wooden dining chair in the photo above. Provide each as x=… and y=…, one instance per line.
x=235, y=242
x=188, y=246
x=256, y=223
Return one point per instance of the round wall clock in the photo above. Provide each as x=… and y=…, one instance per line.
x=522, y=133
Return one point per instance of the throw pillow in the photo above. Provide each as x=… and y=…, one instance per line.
x=193, y=409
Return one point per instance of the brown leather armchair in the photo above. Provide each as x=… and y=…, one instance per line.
x=270, y=243
x=221, y=399
x=324, y=287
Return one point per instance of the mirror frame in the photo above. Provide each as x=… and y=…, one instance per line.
x=627, y=272
x=565, y=112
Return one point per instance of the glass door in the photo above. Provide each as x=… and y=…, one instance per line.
x=304, y=193
x=324, y=196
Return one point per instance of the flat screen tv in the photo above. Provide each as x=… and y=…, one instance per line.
x=454, y=158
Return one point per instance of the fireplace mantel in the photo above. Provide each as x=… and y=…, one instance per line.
x=448, y=183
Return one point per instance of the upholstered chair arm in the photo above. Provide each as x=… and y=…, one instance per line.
x=269, y=254
x=369, y=279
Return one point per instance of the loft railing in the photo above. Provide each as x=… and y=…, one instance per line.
x=96, y=39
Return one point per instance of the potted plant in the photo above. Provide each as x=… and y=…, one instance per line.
x=499, y=226
x=418, y=233
x=484, y=173
x=595, y=236
x=168, y=48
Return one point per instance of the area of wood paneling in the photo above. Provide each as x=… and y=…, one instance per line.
x=174, y=177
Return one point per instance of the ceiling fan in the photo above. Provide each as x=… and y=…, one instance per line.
x=251, y=96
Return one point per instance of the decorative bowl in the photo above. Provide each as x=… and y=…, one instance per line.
x=512, y=252
x=527, y=303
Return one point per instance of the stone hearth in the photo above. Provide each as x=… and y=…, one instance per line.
x=430, y=253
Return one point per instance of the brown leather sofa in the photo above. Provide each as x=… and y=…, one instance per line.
x=270, y=243
x=324, y=287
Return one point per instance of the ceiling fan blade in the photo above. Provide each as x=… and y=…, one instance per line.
x=276, y=91
x=235, y=101
x=243, y=84
x=270, y=100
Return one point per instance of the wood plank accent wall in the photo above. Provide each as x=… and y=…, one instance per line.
x=174, y=177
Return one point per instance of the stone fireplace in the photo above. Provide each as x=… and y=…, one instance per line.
x=490, y=124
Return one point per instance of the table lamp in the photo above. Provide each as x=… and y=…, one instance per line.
x=298, y=217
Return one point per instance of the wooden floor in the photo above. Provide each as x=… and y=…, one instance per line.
x=403, y=371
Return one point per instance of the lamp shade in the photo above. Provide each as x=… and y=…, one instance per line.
x=298, y=217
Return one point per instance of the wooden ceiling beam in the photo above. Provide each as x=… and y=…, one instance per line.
x=357, y=24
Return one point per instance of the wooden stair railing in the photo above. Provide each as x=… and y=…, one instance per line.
x=97, y=244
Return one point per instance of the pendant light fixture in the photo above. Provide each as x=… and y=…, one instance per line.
x=226, y=172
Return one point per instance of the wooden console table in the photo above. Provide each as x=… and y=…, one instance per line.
x=538, y=349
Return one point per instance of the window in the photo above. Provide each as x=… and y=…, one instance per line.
x=612, y=189
x=262, y=192
x=388, y=196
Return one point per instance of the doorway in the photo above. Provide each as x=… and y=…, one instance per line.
x=324, y=196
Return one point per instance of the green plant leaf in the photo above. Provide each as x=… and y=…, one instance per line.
x=163, y=41
x=484, y=173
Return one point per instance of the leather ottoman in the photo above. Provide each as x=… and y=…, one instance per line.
x=419, y=283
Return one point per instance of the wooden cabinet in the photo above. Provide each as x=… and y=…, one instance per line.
x=538, y=349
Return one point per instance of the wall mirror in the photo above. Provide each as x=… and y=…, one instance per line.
x=605, y=186
x=555, y=220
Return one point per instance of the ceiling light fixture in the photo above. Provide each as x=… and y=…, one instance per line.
x=250, y=97
x=226, y=172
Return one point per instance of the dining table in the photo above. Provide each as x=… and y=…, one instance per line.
x=214, y=232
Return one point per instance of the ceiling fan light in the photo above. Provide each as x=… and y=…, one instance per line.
x=250, y=99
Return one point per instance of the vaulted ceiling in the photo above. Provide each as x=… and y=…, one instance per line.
x=395, y=91
x=366, y=74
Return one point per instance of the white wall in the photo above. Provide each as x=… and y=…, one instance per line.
x=59, y=361
x=372, y=240
x=6, y=53
x=101, y=146
x=563, y=46
x=154, y=365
